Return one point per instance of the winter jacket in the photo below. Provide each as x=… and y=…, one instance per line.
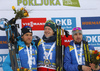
x=23, y=56
x=70, y=61
x=48, y=42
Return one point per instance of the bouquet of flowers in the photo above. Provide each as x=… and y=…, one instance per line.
x=23, y=69
x=95, y=57
x=20, y=13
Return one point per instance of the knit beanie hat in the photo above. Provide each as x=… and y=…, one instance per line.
x=76, y=30
x=51, y=24
x=25, y=30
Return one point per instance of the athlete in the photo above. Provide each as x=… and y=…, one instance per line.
x=47, y=48
x=27, y=51
x=74, y=59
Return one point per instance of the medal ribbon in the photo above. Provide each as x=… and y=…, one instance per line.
x=29, y=52
x=79, y=60
x=45, y=49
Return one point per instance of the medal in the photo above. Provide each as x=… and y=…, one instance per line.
x=79, y=59
x=46, y=61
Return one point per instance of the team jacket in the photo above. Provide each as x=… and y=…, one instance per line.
x=70, y=62
x=23, y=57
x=52, y=57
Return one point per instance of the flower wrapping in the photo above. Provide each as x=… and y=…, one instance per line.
x=95, y=57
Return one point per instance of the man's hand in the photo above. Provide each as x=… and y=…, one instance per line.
x=86, y=68
x=93, y=66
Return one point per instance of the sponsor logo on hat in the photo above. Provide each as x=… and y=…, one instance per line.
x=48, y=24
x=30, y=30
x=77, y=30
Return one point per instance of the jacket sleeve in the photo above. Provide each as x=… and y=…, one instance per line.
x=91, y=47
x=68, y=66
x=7, y=64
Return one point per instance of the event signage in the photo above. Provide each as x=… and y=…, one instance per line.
x=74, y=3
x=67, y=23
x=71, y=3
x=2, y=58
x=3, y=42
x=35, y=23
x=93, y=39
x=90, y=22
x=3, y=21
x=66, y=40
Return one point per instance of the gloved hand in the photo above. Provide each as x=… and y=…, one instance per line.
x=12, y=21
x=12, y=39
x=36, y=37
x=66, y=33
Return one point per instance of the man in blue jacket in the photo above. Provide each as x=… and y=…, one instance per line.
x=74, y=59
x=26, y=49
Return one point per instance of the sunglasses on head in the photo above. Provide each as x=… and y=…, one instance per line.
x=76, y=28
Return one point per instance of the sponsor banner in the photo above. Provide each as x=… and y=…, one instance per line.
x=66, y=23
x=2, y=26
x=93, y=39
x=90, y=22
x=2, y=22
x=35, y=23
x=3, y=42
x=71, y=3
x=2, y=58
x=66, y=40
x=48, y=3
x=97, y=48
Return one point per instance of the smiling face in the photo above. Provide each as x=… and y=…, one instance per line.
x=27, y=38
x=77, y=37
x=48, y=32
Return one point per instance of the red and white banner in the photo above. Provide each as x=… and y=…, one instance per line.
x=35, y=23
x=66, y=40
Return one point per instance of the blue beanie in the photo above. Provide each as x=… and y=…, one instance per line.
x=25, y=30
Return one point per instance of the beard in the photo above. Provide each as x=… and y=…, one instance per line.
x=77, y=42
